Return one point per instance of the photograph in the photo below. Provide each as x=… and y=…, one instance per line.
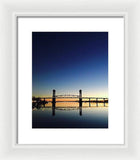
x=70, y=80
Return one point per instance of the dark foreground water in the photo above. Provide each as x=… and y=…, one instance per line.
x=70, y=116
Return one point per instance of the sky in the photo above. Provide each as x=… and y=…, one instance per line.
x=68, y=62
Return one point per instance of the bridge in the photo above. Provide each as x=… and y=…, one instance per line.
x=65, y=97
x=37, y=101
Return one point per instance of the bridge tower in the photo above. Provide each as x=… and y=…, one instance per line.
x=53, y=102
x=80, y=98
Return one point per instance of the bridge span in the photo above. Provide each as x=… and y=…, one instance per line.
x=69, y=98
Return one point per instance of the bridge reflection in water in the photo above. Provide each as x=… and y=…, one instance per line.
x=39, y=101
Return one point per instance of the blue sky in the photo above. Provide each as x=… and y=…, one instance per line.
x=69, y=61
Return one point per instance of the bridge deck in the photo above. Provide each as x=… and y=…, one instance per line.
x=70, y=97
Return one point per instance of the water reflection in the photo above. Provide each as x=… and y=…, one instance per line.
x=80, y=111
x=53, y=111
x=70, y=115
x=72, y=104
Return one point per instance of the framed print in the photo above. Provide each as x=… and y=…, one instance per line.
x=71, y=80
x=83, y=50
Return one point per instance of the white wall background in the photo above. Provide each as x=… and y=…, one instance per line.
x=8, y=79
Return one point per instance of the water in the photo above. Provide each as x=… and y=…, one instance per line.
x=70, y=115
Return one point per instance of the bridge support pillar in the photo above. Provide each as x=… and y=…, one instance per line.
x=96, y=102
x=80, y=98
x=104, y=102
x=53, y=103
x=89, y=102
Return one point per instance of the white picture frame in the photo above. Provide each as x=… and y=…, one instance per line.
x=8, y=62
